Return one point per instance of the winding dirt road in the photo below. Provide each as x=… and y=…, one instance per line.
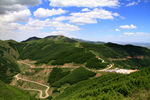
x=47, y=87
x=41, y=93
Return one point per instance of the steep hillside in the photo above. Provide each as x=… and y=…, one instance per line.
x=123, y=56
x=58, y=50
x=8, y=92
x=73, y=77
x=8, y=65
x=78, y=63
x=109, y=87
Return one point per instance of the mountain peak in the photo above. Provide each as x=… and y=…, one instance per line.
x=32, y=38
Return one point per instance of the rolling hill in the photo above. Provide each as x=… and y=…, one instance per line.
x=111, y=87
x=58, y=50
x=88, y=56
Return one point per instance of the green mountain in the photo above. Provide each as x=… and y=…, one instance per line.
x=111, y=87
x=8, y=65
x=58, y=50
x=73, y=77
x=80, y=82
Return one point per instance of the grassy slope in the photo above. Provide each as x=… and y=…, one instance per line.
x=8, y=65
x=109, y=87
x=57, y=52
x=110, y=50
x=56, y=74
x=11, y=93
x=68, y=50
x=8, y=68
x=75, y=76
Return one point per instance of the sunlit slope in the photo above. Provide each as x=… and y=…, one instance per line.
x=8, y=92
x=58, y=50
x=109, y=87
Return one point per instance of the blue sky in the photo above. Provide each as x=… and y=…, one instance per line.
x=96, y=20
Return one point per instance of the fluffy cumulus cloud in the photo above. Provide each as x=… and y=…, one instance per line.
x=128, y=26
x=85, y=9
x=117, y=30
x=21, y=24
x=15, y=16
x=16, y=5
x=33, y=28
x=84, y=3
x=88, y=17
x=41, y=12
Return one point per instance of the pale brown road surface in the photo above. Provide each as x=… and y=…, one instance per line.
x=41, y=93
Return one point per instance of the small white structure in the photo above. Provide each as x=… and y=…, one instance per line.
x=121, y=71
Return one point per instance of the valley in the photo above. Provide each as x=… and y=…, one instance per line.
x=37, y=77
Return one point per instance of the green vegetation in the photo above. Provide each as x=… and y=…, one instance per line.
x=56, y=74
x=115, y=51
x=95, y=63
x=29, y=85
x=133, y=63
x=75, y=76
x=8, y=65
x=11, y=93
x=23, y=68
x=76, y=84
x=58, y=50
x=46, y=50
x=140, y=95
x=109, y=87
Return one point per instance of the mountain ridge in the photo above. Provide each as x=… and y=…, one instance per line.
x=62, y=51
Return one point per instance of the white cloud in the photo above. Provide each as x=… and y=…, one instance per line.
x=41, y=12
x=128, y=26
x=129, y=33
x=88, y=17
x=61, y=18
x=86, y=9
x=136, y=34
x=117, y=30
x=134, y=3
x=84, y=3
x=37, y=24
x=15, y=16
x=16, y=5
x=82, y=20
x=33, y=28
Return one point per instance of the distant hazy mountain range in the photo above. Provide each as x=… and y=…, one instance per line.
x=147, y=45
